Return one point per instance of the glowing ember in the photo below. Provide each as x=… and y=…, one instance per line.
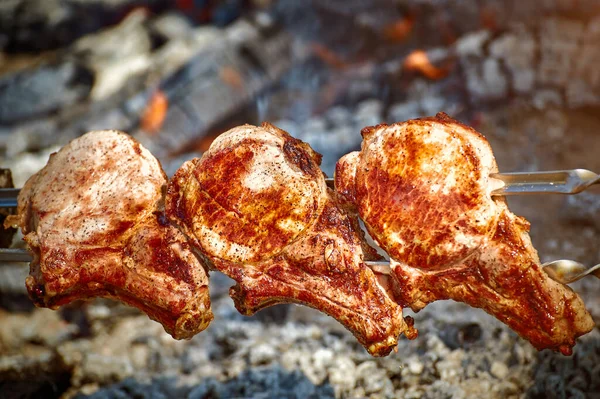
x=155, y=113
x=418, y=61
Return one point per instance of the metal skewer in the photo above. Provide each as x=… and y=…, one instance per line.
x=15, y=255
x=519, y=183
x=569, y=271
x=562, y=271
x=551, y=182
x=8, y=197
x=571, y=181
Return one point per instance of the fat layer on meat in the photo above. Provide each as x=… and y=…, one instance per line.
x=423, y=189
x=94, y=219
x=257, y=206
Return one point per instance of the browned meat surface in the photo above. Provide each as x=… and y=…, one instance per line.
x=257, y=205
x=423, y=189
x=93, y=218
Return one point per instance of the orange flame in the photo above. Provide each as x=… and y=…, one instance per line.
x=417, y=61
x=155, y=112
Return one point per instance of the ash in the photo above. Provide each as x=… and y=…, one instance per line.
x=104, y=350
x=522, y=73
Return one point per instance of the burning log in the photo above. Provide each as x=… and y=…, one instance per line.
x=531, y=64
x=32, y=94
x=37, y=25
x=217, y=83
x=232, y=67
x=511, y=58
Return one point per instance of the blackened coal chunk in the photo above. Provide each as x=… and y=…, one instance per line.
x=40, y=374
x=35, y=92
x=576, y=376
x=158, y=388
x=461, y=336
x=38, y=25
x=267, y=383
x=270, y=383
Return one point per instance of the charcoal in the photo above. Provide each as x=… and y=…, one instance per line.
x=131, y=388
x=43, y=386
x=37, y=25
x=568, y=376
x=264, y=384
x=493, y=69
x=360, y=28
x=124, y=83
x=554, y=387
x=461, y=336
x=517, y=51
x=116, y=55
x=33, y=366
x=232, y=78
x=37, y=92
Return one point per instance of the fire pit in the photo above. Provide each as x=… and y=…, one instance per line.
x=177, y=74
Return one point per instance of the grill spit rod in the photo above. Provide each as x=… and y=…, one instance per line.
x=516, y=183
x=571, y=181
x=8, y=197
x=550, y=182
x=10, y=255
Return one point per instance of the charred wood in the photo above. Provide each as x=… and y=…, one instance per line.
x=549, y=64
x=481, y=55
x=205, y=74
x=216, y=84
x=38, y=25
x=37, y=92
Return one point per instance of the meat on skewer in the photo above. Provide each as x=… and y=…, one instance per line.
x=259, y=210
x=256, y=208
x=423, y=189
x=94, y=219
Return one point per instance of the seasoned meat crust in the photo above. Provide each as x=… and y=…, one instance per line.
x=258, y=208
x=423, y=189
x=94, y=221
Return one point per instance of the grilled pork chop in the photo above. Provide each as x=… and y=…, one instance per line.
x=94, y=221
x=258, y=208
x=423, y=189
